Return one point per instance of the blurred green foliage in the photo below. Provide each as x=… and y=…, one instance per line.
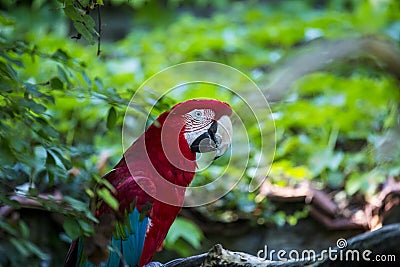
x=61, y=105
x=182, y=233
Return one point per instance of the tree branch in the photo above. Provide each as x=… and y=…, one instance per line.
x=385, y=241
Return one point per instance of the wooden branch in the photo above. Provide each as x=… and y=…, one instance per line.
x=379, y=206
x=357, y=221
x=304, y=192
x=385, y=241
x=30, y=202
x=368, y=215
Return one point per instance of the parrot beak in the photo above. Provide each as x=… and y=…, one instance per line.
x=217, y=138
x=223, y=136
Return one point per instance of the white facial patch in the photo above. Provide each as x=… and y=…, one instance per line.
x=197, y=122
x=191, y=136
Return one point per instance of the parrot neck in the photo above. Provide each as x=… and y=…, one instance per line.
x=162, y=153
x=169, y=151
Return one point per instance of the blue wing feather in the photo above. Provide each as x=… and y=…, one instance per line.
x=115, y=251
x=129, y=246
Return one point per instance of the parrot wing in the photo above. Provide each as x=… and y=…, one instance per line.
x=135, y=207
x=126, y=228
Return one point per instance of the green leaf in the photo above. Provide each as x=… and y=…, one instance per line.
x=86, y=227
x=19, y=245
x=335, y=179
x=111, y=118
x=63, y=75
x=6, y=20
x=324, y=159
x=5, y=200
x=61, y=55
x=105, y=194
x=98, y=83
x=56, y=83
x=32, y=105
x=32, y=89
x=86, y=2
x=87, y=80
x=8, y=228
x=58, y=153
x=36, y=250
x=50, y=131
x=7, y=71
x=50, y=159
x=86, y=33
x=279, y=218
x=76, y=204
x=73, y=13
x=186, y=230
x=89, y=23
x=24, y=230
x=72, y=228
x=33, y=191
x=354, y=183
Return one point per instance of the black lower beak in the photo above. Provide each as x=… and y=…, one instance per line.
x=205, y=142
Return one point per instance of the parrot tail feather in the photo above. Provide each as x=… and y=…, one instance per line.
x=125, y=248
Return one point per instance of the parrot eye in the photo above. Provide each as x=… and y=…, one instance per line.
x=198, y=120
x=197, y=114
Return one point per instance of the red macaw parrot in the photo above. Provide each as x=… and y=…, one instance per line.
x=150, y=182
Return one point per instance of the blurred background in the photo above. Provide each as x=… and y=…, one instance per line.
x=329, y=69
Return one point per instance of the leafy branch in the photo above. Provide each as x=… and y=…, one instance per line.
x=78, y=12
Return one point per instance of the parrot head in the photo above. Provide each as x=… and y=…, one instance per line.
x=205, y=125
x=172, y=141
